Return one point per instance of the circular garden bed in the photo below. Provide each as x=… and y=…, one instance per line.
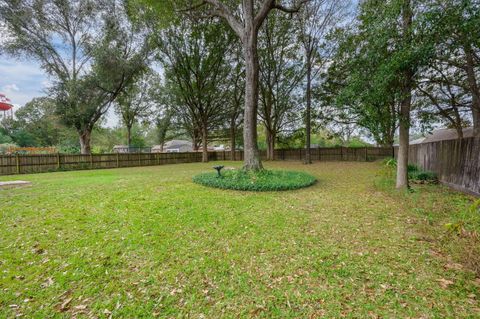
x=264, y=180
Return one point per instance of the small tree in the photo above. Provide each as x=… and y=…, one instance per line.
x=390, y=48
x=280, y=76
x=235, y=96
x=316, y=20
x=135, y=103
x=194, y=56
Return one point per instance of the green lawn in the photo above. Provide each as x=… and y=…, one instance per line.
x=148, y=242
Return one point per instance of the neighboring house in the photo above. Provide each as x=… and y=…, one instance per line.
x=443, y=135
x=131, y=149
x=120, y=149
x=174, y=146
x=417, y=141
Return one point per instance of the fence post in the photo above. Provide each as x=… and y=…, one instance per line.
x=341, y=153
x=118, y=160
x=366, y=154
x=91, y=160
x=17, y=161
x=58, y=161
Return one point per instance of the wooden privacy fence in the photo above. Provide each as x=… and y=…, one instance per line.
x=456, y=162
x=334, y=154
x=25, y=164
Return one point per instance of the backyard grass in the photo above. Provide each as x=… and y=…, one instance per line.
x=148, y=242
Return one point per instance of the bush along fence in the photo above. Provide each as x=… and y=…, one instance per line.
x=26, y=164
x=456, y=162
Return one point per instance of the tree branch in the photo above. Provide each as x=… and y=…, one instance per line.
x=222, y=11
x=293, y=9
x=266, y=7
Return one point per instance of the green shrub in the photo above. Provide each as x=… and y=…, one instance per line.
x=415, y=173
x=391, y=162
x=423, y=176
x=411, y=168
x=264, y=180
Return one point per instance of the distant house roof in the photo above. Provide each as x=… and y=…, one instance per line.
x=417, y=141
x=176, y=144
x=443, y=135
x=447, y=134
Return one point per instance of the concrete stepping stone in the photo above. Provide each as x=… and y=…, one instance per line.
x=12, y=184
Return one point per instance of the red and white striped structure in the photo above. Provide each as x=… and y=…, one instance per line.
x=6, y=106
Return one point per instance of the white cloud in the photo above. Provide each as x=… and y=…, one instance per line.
x=10, y=88
x=46, y=84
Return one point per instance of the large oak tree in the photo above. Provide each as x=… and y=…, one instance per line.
x=245, y=17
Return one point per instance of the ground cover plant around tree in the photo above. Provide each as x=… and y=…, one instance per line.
x=264, y=180
x=148, y=242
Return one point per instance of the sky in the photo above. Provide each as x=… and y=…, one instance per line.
x=21, y=80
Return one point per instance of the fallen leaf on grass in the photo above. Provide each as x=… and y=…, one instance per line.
x=476, y=282
x=65, y=305
x=47, y=283
x=444, y=283
x=80, y=307
x=37, y=249
x=436, y=253
x=454, y=266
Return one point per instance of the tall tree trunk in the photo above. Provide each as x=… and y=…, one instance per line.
x=474, y=90
x=85, y=137
x=161, y=140
x=476, y=122
x=129, y=137
x=194, y=141
x=457, y=120
x=402, y=161
x=393, y=124
x=267, y=142
x=270, y=136
x=271, y=145
x=232, y=139
x=162, y=125
x=308, y=158
x=251, y=154
x=204, y=144
x=459, y=132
